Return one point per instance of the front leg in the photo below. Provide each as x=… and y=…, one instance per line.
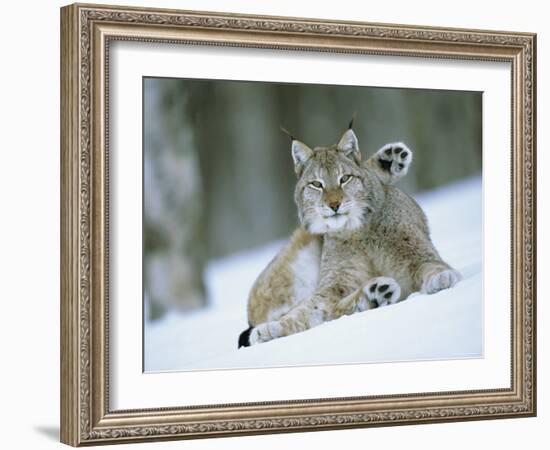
x=379, y=291
x=391, y=162
x=325, y=306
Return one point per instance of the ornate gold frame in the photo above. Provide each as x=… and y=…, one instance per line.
x=86, y=31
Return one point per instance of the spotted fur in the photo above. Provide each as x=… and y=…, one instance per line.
x=362, y=243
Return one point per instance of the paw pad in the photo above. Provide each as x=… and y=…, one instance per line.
x=395, y=158
x=382, y=291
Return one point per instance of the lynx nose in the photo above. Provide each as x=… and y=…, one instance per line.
x=334, y=206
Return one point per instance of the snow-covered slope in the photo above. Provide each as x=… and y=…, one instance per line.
x=441, y=326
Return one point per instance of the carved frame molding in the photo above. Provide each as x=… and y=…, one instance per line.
x=86, y=33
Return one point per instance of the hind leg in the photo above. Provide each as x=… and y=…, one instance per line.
x=305, y=315
x=391, y=162
x=289, y=279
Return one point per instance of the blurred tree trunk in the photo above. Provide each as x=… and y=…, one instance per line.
x=173, y=197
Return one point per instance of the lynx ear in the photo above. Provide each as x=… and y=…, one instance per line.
x=300, y=154
x=350, y=145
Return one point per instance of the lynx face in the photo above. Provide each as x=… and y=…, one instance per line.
x=331, y=194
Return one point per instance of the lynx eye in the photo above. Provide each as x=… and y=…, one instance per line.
x=345, y=178
x=316, y=184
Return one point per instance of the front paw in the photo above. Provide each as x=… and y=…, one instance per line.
x=442, y=280
x=264, y=332
x=382, y=291
x=394, y=158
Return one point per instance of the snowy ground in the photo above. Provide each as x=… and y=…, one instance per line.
x=446, y=325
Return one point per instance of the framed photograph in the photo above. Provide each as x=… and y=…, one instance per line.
x=275, y=224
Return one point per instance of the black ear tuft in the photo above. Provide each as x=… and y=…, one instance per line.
x=350, y=126
x=285, y=131
x=244, y=338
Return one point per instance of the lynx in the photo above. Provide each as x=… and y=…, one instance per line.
x=362, y=243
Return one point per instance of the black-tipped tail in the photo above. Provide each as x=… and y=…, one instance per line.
x=244, y=338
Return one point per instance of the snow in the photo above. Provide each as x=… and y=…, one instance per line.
x=446, y=325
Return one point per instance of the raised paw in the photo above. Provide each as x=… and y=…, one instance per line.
x=441, y=280
x=382, y=291
x=395, y=158
x=261, y=333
